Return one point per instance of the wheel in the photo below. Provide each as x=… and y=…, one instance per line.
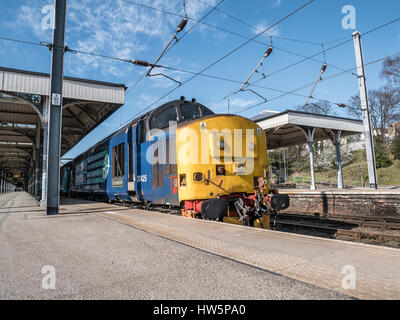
x=214, y=209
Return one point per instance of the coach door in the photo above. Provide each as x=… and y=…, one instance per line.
x=138, y=139
x=118, y=154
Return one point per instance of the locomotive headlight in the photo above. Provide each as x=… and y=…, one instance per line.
x=198, y=176
x=251, y=146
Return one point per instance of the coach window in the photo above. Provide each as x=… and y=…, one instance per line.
x=162, y=119
x=118, y=156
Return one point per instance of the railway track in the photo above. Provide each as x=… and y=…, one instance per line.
x=336, y=227
x=367, y=229
x=381, y=222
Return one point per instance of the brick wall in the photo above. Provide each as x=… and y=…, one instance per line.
x=345, y=204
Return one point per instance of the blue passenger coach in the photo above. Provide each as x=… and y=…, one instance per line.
x=139, y=163
x=117, y=169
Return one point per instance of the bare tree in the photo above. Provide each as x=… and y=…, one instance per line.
x=320, y=107
x=384, y=106
x=391, y=70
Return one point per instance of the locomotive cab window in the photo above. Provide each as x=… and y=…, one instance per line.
x=190, y=112
x=161, y=120
x=118, y=165
x=206, y=112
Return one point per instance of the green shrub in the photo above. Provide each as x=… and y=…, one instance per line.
x=382, y=156
x=395, y=149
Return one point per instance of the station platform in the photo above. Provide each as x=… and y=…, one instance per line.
x=227, y=255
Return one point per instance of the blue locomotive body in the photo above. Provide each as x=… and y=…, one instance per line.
x=117, y=167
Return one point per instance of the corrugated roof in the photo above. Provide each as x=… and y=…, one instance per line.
x=87, y=103
x=13, y=80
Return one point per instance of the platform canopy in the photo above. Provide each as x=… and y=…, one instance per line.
x=292, y=128
x=87, y=103
x=286, y=129
x=24, y=107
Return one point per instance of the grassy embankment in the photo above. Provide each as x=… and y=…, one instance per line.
x=352, y=174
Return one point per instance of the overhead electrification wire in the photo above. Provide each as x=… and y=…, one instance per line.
x=365, y=33
x=21, y=41
x=229, y=31
x=197, y=23
x=215, y=77
x=292, y=65
x=323, y=79
x=233, y=81
x=245, y=84
x=168, y=47
x=226, y=55
x=141, y=63
x=256, y=29
x=178, y=30
x=323, y=69
x=43, y=44
x=330, y=48
x=184, y=7
x=180, y=27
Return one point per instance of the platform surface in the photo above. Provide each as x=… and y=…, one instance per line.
x=101, y=251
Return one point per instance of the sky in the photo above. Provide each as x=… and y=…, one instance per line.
x=124, y=30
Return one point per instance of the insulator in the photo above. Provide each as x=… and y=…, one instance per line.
x=183, y=98
x=323, y=68
x=182, y=25
x=194, y=100
x=141, y=63
x=268, y=52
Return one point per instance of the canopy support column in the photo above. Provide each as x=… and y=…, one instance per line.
x=309, y=133
x=43, y=201
x=336, y=142
x=37, y=161
x=335, y=136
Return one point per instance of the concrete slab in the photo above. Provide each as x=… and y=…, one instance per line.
x=322, y=262
x=98, y=258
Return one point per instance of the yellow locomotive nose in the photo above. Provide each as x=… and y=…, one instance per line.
x=219, y=156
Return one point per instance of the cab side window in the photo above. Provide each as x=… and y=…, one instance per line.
x=206, y=112
x=162, y=119
x=141, y=132
x=118, y=161
x=190, y=111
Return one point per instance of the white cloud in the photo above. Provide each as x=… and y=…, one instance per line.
x=113, y=28
x=29, y=16
x=233, y=103
x=260, y=27
x=241, y=103
x=277, y=3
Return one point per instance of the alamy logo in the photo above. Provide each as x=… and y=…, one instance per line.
x=349, y=20
x=48, y=21
x=49, y=280
x=349, y=279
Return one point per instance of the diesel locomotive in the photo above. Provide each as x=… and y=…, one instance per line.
x=182, y=155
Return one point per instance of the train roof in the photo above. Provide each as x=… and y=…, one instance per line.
x=135, y=120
